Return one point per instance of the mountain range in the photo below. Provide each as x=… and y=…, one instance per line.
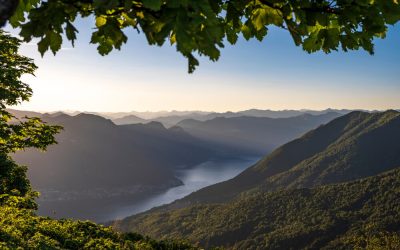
x=258, y=135
x=98, y=165
x=336, y=187
x=97, y=161
x=174, y=117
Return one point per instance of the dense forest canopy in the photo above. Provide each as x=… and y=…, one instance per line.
x=203, y=27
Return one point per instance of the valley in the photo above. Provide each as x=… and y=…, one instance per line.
x=102, y=171
x=336, y=183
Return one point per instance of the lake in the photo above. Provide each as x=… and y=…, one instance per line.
x=200, y=176
x=108, y=205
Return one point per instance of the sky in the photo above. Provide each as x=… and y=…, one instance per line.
x=273, y=74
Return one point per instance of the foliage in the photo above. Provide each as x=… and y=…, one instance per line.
x=17, y=134
x=20, y=228
x=355, y=215
x=203, y=26
x=13, y=177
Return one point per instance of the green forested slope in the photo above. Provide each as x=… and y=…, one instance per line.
x=360, y=214
x=22, y=229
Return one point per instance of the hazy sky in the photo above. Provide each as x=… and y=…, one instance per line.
x=273, y=74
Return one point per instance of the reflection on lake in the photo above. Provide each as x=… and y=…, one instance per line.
x=200, y=176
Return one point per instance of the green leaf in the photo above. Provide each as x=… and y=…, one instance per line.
x=71, y=31
x=246, y=31
x=43, y=45
x=311, y=43
x=192, y=63
x=232, y=36
x=104, y=49
x=100, y=21
x=265, y=16
x=55, y=42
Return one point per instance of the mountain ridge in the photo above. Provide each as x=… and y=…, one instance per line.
x=95, y=158
x=258, y=134
x=270, y=172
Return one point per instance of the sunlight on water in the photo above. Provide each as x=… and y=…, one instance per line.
x=200, y=176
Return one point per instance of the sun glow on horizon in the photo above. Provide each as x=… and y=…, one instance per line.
x=144, y=78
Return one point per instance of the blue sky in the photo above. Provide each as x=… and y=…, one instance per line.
x=273, y=74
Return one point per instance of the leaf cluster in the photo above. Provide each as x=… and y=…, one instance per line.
x=202, y=27
x=18, y=134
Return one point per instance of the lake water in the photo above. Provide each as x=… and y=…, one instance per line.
x=200, y=176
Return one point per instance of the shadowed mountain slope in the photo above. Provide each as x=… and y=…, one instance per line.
x=94, y=152
x=254, y=134
x=97, y=165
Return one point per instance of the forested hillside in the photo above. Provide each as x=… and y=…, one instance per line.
x=22, y=229
x=363, y=214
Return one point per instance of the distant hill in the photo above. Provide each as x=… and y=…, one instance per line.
x=172, y=118
x=277, y=113
x=21, y=113
x=96, y=159
x=254, y=134
x=290, y=199
x=148, y=115
x=167, y=121
x=129, y=119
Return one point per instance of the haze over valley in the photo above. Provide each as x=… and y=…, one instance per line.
x=98, y=168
